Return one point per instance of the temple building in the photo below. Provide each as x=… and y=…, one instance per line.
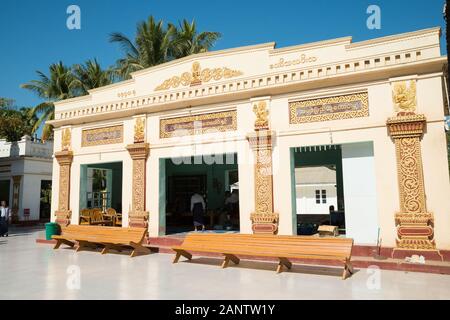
x=26, y=179
x=359, y=126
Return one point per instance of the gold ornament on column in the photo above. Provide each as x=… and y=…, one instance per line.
x=139, y=130
x=262, y=115
x=415, y=225
x=404, y=97
x=66, y=140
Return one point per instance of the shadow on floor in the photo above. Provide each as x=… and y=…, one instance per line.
x=98, y=249
x=271, y=266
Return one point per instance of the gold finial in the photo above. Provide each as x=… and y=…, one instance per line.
x=196, y=72
x=404, y=97
x=139, y=128
x=262, y=115
x=66, y=139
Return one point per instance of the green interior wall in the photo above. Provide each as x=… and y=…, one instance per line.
x=215, y=199
x=114, y=183
x=324, y=157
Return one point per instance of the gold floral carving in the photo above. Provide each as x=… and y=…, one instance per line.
x=415, y=225
x=138, y=217
x=197, y=76
x=66, y=140
x=327, y=109
x=63, y=214
x=404, y=97
x=262, y=115
x=102, y=136
x=198, y=124
x=264, y=220
x=139, y=130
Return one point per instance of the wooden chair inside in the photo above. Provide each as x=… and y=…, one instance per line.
x=85, y=217
x=97, y=218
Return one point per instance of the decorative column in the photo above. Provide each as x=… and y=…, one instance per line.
x=64, y=158
x=415, y=225
x=139, y=151
x=264, y=220
x=15, y=199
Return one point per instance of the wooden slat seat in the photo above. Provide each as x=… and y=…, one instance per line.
x=106, y=237
x=281, y=247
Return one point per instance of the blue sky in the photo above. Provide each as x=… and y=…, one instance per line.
x=34, y=33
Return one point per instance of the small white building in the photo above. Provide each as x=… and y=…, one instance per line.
x=316, y=189
x=26, y=178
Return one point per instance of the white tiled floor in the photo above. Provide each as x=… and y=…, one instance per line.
x=35, y=271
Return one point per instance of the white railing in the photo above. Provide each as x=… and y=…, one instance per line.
x=26, y=147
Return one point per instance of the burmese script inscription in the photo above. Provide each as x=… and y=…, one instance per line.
x=101, y=136
x=198, y=124
x=325, y=109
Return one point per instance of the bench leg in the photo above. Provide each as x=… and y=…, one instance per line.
x=109, y=246
x=348, y=269
x=228, y=258
x=82, y=245
x=177, y=257
x=180, y=253
x=138, y=249
x=59, y=242
x=283, y=262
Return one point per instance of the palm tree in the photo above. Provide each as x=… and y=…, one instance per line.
x=57, y=86
x=155, y=44
x=152, y=46
x=188, y=41
x=90, y=75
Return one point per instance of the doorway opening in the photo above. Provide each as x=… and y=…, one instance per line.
x=5, y=186
x=46, y=200
x=101, y=191
x=217, y=183
x=319, y=188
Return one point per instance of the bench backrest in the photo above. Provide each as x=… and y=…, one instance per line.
x=104, y=234
x=271, y=244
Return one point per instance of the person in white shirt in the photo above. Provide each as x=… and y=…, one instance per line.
x=5, y=216
x=198, y=207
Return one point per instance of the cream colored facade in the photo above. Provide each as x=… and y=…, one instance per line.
x=279, y=78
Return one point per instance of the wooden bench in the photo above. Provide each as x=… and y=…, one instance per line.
x=106, y=237
x=281, y=247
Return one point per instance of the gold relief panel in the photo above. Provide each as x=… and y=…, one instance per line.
x=404, y=97
x=102, y=136
x=332, y=108
x=198, y=124
x=197, y=76
x=66, y=139
x=139, y=130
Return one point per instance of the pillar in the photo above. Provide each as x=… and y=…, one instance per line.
x=415, y=225
x=139, y=151
x=264, y=220
x=16, y=199
x=64, y=158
